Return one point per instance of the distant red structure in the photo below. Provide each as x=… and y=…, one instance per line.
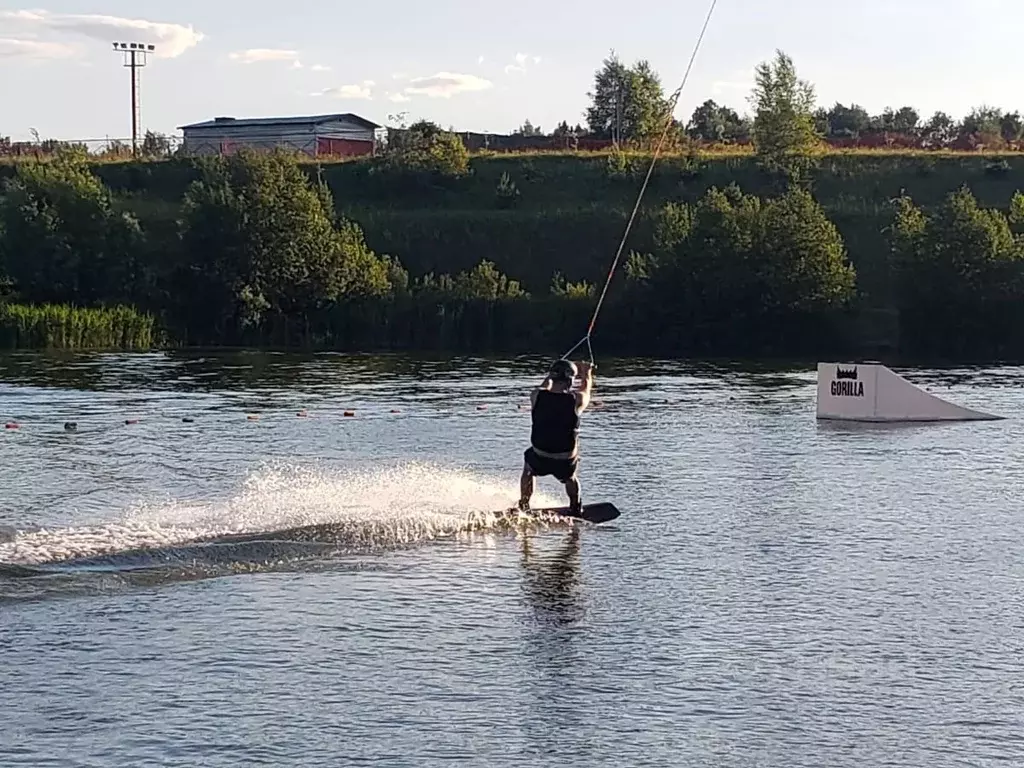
x=340, y=135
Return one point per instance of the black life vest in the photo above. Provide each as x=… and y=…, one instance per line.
x=556, y=424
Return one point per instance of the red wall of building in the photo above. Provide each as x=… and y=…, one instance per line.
x=343, y=147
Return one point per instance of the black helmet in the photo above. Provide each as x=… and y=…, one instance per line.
x=563, y=370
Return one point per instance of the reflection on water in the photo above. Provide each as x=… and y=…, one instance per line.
x=551, y=581
x=209, y=370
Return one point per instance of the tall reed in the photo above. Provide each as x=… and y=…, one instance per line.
x=51, y=326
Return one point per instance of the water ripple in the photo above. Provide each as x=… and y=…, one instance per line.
x=331, y=589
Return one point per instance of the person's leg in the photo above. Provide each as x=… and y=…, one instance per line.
x=572, y=487
x=526, y=484
x=525, y=488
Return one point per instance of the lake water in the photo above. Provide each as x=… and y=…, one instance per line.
x=777, y=592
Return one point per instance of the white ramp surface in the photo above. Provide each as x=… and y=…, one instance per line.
x=873, y=392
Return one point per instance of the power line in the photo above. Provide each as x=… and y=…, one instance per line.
x=673, y=100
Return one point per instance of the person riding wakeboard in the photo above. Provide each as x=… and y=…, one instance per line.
x=554, y=439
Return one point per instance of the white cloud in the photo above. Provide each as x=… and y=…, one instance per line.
x=444, y=85
x=522, y=59
x=22, y=15
x=480, y=60
x=259, y=55
x=171, y=40
x=361, y=91
x=320, y=68
x=11, y=48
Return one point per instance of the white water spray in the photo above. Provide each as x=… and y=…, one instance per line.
x=391, y=506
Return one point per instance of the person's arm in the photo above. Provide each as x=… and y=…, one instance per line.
x=583, y=393
x=546, y=384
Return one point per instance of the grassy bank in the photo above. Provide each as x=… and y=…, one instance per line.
x=251, y=254
x=568, y=210
x=71, y=328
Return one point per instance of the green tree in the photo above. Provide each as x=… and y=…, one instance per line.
x=563, y=130
x=156, y=145
x=398, y=276
x=1016, y=214
x=262, y=239
x=1011, y=127
x=62, y=240
x=528, y=129
x=355, y=269
x=482, y=282
x=712, y=122
x=958, y=273
x=705, y=253
x=939, y=131
x=844, y=121
x=116, y=149
x=433, y=287
x=560, y=287
x=905, y=120
x=424, y=147
x=735, y=258
x=983, y=125
x=784, y=131
x=485, y=281
x=627, y=103
x=804, y=264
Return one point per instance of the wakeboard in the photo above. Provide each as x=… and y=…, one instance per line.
x=601, y=512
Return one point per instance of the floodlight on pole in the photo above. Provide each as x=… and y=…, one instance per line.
x=135, y=57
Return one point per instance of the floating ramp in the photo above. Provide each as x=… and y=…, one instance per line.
x=872, y=392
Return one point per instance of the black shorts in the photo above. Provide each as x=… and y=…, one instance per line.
x=560, y=469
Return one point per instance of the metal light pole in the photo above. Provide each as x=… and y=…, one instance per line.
x=134, y=55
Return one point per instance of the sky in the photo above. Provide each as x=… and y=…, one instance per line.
x=480, y=66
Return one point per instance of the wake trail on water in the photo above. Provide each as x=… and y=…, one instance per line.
x=280, y=514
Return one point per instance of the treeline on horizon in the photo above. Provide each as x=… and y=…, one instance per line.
x=627, y=103
x=257, y=253
x=627, y=109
